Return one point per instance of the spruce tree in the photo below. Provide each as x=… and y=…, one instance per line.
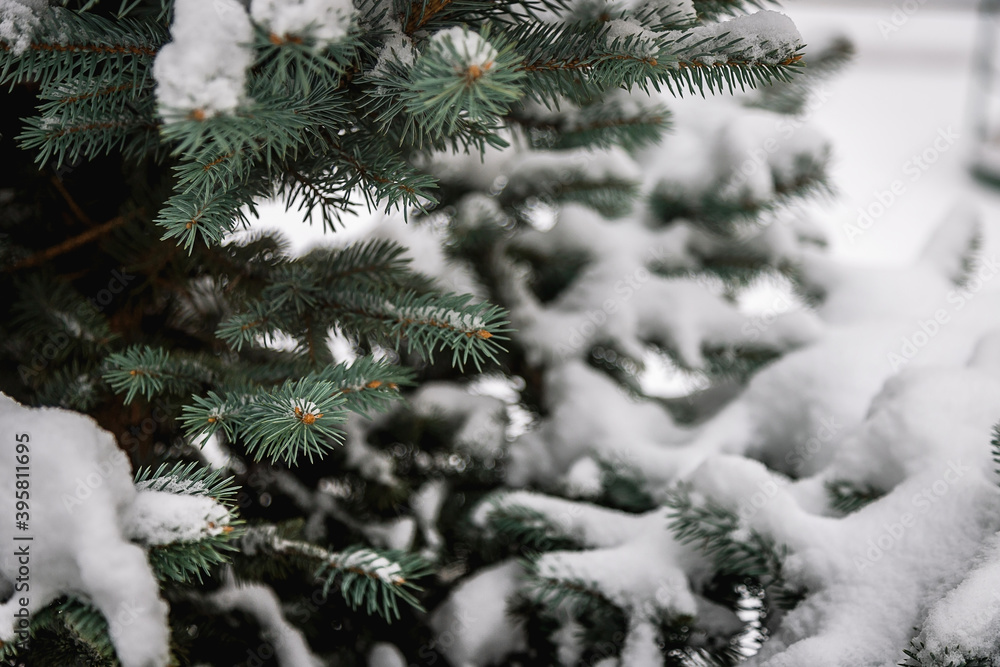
x=290, y=507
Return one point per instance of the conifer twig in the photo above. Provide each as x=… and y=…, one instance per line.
x=69, y=244
x=422, y=12
x=78, y=212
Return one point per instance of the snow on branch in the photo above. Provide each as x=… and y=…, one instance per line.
x=202, y=71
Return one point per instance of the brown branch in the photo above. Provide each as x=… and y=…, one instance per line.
x=96, y=93
x=738, y=63
x=73, y=206
x=577, y=64
x=422, y=12
x=86, y=127
x=536, y=124
x=324, y=198
x=69, y=244
x=218, y=160
x=309, y=339
x=367, y=174
x=87, y=48
x=482, y=334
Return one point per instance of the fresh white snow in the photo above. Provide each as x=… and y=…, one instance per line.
x=81, y=502
x=202, y=70
x=18, y=21
x=325, y=21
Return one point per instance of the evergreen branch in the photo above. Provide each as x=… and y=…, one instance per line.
x=422, y=12
x=314, y=194
x=213, y=413
x=377, y=262
x=428, y=322
x=711, y=527
x=189, y=479
x=50, y=309
x=581, y=596
x=611, y=197
x=609, y=194
x=377, y=579
x=714, y=9
x=89, y=119
x=271, y=124
x=188, y=216
x=243, y=328
x=791, y=97
x=109, y=91
x=918, y=656
x=185, y=560
x=624, y=489
x=385, y=174
x=597, y=126
x=578, y=63
x=72, y=386
x=73, y=627
x=527, y=529
x=149, y=371
x=723, y=212
x=847, y=498
x=297, y=62
x=213, y=173
x=446, y=86
x=366, y=384
x=734, y=548
x=298, y=418
x=100, y=49
x=695, y=76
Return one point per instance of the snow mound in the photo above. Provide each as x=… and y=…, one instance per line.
x=81, y=497
x=202, y=71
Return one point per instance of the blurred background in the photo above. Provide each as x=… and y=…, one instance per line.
x=910, y=80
